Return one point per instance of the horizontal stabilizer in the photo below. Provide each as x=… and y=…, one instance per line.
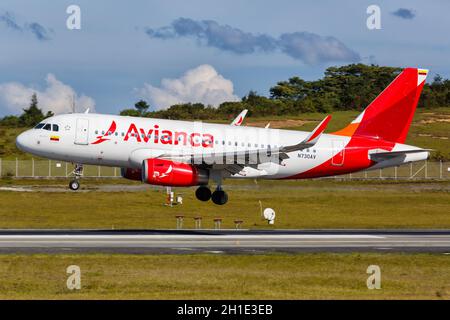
x=376, y=156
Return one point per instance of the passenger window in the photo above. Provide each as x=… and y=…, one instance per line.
x=47, y=127
x=96, y=131
x=55, y=127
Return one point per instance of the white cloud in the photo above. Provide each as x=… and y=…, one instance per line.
x=201, y=84
x=56, y=97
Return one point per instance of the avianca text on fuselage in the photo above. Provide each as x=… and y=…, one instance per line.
x=163, y=136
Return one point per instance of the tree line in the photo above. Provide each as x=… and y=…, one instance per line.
x=29, y=117
x=349, y=87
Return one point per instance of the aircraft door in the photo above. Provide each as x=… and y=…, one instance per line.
x=338, y=149
x=82, y=131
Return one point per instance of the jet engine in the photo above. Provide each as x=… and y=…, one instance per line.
x=170, y=173
x=131, y=174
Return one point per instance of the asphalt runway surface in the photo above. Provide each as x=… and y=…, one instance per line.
x=223, y=241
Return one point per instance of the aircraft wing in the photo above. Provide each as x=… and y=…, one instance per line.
x=240, y=118
x=250, y=157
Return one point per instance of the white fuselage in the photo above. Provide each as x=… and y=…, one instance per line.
x=84, y=139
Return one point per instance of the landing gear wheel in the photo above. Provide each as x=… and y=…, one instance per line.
x=78, y=173
x=219, y=197
x=74, y=185
x=203, y=193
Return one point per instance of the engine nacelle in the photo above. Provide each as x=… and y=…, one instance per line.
x=131, y=174
x=170, y=173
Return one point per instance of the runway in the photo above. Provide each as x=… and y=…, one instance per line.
x=222, y=241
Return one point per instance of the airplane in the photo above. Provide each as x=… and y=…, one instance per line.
x=188, y=153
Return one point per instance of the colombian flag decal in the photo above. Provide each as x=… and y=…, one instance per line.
x=54, y=138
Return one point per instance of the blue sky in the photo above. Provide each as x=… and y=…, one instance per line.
x=125, y=49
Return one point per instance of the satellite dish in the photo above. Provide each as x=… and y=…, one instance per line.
x=269, y=215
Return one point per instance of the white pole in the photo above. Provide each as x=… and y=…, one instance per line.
x=17, y=167
x=32, y=167
x=49, y=168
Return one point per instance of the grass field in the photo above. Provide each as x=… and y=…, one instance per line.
x=430, y=129
x=277, y=276
x=298, y=204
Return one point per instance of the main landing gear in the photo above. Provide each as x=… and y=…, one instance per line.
x=74, y=184
x=219, y=196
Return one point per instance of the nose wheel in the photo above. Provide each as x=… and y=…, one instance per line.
x=78, y=173
x=74, y=185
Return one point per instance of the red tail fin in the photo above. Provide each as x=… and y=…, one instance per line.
x=389, y=116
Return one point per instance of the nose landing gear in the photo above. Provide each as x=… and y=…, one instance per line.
x=74, y=185
x=78, y=173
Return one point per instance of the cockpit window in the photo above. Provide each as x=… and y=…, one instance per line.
x=40, y=125
x=55, y=127
x=48, y=127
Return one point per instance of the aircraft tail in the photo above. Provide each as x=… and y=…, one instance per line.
x=389, y=116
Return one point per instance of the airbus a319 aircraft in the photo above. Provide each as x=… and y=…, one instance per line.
x=181, y=153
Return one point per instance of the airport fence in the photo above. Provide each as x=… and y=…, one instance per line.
x=33, y=168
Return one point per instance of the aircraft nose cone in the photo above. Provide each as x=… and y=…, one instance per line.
x=23, y=141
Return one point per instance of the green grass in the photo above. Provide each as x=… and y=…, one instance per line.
x=298, y=204
x=276, y=276
x=8, y=149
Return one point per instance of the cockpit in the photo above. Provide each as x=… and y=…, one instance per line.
x=47, y=126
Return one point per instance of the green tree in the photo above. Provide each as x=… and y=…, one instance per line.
x=130, y=112
x=142, y=107
x=32, y=115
